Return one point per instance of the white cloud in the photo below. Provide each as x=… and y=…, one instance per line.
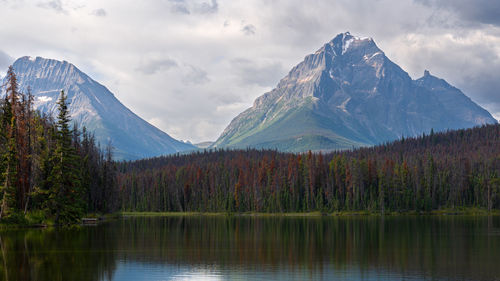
x=157, y=122
x=5, y=61
x=249, y=29
x=156, y=65
x=190, y=66
x=99, y=12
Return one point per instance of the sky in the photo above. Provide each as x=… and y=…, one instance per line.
x=190, y=66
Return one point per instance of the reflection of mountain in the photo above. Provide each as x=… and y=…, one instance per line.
x=348, y=93
x=94, y=106
x=273, y=248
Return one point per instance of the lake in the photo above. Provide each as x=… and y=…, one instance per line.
x=258, y=248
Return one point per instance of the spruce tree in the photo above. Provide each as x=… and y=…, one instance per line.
x=10, y=158
x=10, y=174
x=65, y=199
x=4, y=125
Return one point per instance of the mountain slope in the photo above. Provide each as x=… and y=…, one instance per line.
x=94, y=106
x=349, y=94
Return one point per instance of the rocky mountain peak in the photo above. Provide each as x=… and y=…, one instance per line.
x=432, y=82
x=344, y=42
x=62, y=73
x=348, y=94
x=92, y=105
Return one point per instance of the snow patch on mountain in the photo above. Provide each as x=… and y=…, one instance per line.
x=343, y=105
x=43, y=99
x=346, y=45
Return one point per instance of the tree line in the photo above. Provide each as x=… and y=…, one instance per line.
x=52, y=170
x=439, y=170
x=49, y=169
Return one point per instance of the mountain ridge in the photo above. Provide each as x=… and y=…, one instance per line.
x=348, y=94
x=92, y=105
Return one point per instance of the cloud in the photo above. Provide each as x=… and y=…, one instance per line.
x=187, y=7
x=188, y=74
x=5, y=61
x=99, y=12
x=55, y=5
x=179, y=7
x=154, y=66
x=481, y=11
x=157, y=122
x=248, y=29
x=12, y=4
x=261, y=74
x=193, y=63
x=484, y=87
x=195, y=75
x=208, y=8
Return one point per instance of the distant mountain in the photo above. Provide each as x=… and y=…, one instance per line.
x=92, y=105
x=203, y=145
x=349, y=94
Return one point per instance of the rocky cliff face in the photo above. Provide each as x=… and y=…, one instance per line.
x=349, y=94
x=92, y=105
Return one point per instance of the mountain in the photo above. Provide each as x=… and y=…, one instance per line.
x=203, y=145
x=349, y=94
x=92, y=105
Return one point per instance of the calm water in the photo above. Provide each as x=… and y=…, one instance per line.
x=219, y=248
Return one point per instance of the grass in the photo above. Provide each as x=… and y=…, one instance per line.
x=442, y=212
x=38, y=219
x=465, y=211
x=222, y=214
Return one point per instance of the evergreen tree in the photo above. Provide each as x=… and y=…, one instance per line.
x=65, y=199
x=10, y=175
x=9, y=187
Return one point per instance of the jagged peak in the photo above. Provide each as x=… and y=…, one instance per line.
x=28, y=58
x=38, y=59
x=345, y=36
x=341, y=43
x=345, y=40
x=430, y=80
x=36, y=64
x=428, y=76
x=61, y=72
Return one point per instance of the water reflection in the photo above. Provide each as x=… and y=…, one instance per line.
x=219, y=248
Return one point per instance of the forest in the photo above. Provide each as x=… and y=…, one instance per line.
x=51, y=171
x=440, y=170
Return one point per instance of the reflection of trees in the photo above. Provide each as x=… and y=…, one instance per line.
x=58, y=254
x=450, y=247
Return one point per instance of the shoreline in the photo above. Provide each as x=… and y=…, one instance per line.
x=316, y=214
x=443, y=212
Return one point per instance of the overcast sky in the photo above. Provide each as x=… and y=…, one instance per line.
x=190, y=66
